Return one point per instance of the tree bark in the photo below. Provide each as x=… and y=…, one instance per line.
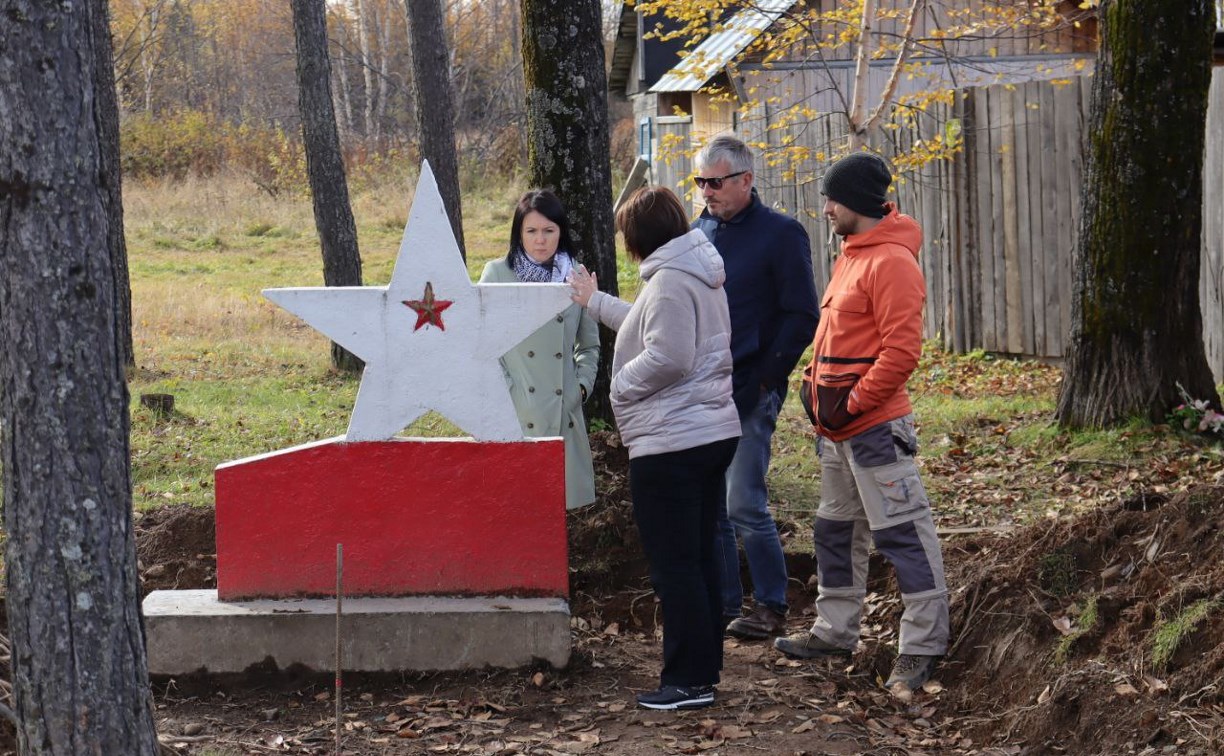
x=80, y=676
x=1137, y=327
x=567, y=134
x=108, y=138
x=324, y=164
x=434, y=103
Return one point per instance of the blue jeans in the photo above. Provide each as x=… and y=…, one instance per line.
x=747, y=515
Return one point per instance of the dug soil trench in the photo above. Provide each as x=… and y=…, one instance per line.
x=1098, y=634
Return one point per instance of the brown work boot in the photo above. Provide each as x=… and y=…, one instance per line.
x=762, y=623
x=912, y=670
x=804, y=645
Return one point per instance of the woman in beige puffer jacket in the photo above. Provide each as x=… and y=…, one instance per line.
x=671, y=396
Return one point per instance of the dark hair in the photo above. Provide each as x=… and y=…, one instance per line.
x=650, y=218
x=545, y=203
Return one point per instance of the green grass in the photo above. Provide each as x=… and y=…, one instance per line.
x=1168, y=636
x=1084, y=624
x=247, y=377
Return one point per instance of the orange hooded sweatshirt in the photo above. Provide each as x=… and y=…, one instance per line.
x=870, y=333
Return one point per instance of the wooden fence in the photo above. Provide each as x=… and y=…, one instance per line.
x=1000, y=221
x=1211, y=284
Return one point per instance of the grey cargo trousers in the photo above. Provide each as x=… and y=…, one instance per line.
x=871, y=491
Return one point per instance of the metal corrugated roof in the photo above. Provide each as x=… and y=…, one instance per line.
x=720, y=48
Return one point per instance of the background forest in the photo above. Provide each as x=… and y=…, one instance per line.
x=209, y=86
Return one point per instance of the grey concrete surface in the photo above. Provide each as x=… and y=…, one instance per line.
x=191, y=631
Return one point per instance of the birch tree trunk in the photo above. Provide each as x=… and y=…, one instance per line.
x=862, y=70
x=367, y=67
x=434, y=105
x=346, y=100
x=384, y=66
x=148, y=65
x=567, y=134
x=328, y=185
x=1137, y=328
x=80, y=676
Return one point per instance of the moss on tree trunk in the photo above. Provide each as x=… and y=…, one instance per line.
x=1137, y=327
x=567, y=131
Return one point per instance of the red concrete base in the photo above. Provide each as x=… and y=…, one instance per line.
x=415, y=517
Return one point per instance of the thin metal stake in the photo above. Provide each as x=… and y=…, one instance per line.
x=339, y=660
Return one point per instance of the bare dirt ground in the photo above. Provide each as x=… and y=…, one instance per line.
x=1055, y=631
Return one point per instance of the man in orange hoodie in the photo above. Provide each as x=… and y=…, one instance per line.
x=866, y=347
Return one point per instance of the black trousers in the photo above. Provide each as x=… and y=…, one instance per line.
x=676, y=501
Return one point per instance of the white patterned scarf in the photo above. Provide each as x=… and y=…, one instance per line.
x=554, y=271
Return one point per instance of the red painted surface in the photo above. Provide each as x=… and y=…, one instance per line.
x=429, y=310
x=415, y=517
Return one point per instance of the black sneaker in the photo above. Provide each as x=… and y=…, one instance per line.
x=671, y=697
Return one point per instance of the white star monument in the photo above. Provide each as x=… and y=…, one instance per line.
x=430, y=339
x=454, y=550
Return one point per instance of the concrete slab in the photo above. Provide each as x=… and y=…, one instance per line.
x=191, y=631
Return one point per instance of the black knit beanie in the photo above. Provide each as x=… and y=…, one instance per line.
x=860, y=182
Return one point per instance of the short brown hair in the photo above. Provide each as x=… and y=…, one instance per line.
x=650, y=218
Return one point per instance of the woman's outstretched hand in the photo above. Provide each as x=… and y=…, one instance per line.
x=583, y=283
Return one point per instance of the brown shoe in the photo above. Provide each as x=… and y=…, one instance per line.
x=911, y=669
x=804, y=645
x=762, y=623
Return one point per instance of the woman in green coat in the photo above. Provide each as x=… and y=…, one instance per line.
x=552, y=372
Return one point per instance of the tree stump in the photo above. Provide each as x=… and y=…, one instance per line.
x=162, y=405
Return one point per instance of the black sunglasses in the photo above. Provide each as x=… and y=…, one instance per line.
x=715, y=182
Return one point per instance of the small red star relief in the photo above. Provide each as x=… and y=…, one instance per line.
x=428, y=309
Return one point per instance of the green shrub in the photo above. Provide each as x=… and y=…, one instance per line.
x=172, y=145
x=272, y=158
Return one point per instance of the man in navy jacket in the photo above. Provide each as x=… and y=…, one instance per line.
x=772, y=296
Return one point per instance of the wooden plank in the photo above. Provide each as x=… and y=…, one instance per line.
x=949, y=176
x=673, y=169
x=636, y=180
x=1211, y=298
x=1023, y=223
x=1055, y=248
x=1040, y=255
x=1070, y=127
x=943, y=204
x=711, y=118
x=968, y=311
x=937, y=250
x=946, y=212
x=996, y=218
x=1080, y=120
x=824, y=244
x=925, y=205
x=1013, y=312
x=984, y=211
